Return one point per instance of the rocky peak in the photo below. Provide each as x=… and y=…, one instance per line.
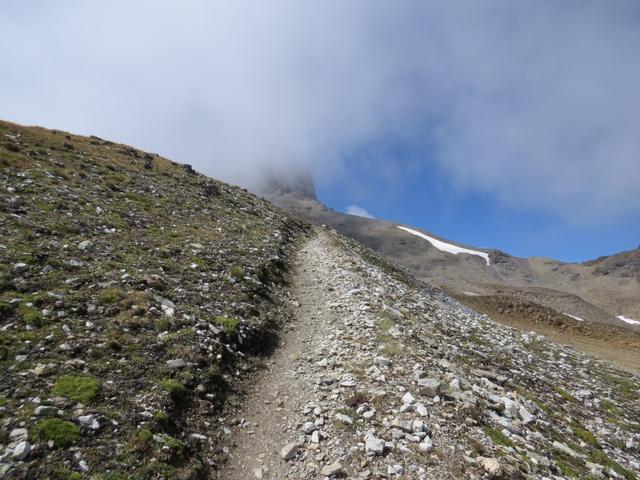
x=289, y=179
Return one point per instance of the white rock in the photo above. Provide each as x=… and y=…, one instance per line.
x=373, y=444
x=89, y=421
x=426, y=445
x=346, y=419
x=491, y=465
x=21, y=450
x=407, y=398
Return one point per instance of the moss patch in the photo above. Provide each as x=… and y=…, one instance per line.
x=60, y=432
x=81, y=388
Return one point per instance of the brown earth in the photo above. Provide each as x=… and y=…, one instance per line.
x=620, y=346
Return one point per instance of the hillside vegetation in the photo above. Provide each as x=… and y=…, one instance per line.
x=134, y=293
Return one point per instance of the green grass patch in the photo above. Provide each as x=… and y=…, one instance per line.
x=497, y=436
x=229, y=324
x=31, y=315
x=60, y=432
x=81, y=388
x=174, y=388
x=564, y=394
x=583, y=434
x=66, y=474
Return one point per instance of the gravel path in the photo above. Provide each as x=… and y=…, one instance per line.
x=278, y=396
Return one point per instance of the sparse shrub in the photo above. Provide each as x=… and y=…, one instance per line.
x=6, y=309
x=163, y=325
x=142, y=439
x=81, y=388
x=60, y=432
x=237, y=273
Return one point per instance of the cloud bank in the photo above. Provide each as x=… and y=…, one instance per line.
x=534, y=102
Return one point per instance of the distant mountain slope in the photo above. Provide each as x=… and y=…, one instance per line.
x=598, y=291
x=133, y=293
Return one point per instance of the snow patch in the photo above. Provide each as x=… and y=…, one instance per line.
x=446, y=247
x=573, y=316
x=630, y=321
x=358, y=211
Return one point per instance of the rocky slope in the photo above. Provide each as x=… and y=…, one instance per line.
x=134, y=293
x=380, y=376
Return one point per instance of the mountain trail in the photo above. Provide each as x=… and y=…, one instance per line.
x=284, y=389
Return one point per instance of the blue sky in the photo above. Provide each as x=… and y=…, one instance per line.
x=503, y=124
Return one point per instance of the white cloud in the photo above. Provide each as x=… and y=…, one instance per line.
x=358, y=211
x=534, y=102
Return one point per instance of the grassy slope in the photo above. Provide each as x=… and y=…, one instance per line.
x=75, y=316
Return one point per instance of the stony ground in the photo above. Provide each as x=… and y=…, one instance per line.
x=134, y=294
x=381, y=377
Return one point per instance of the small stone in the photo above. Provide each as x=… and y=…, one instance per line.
x=429, y=387
x=309, y=427
x=368, y=415
x=404, y=425
x=561, y=447
x=333, y=469
x=289, y=451
x=422, y=410
x=258, y=473
x=46, y=410
x=525, y=416
x=176, y=363
x=20, y=267
x=86, y=245
x=21, y=450
x=382, y=361
x=315, y=437
x=18, y=434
